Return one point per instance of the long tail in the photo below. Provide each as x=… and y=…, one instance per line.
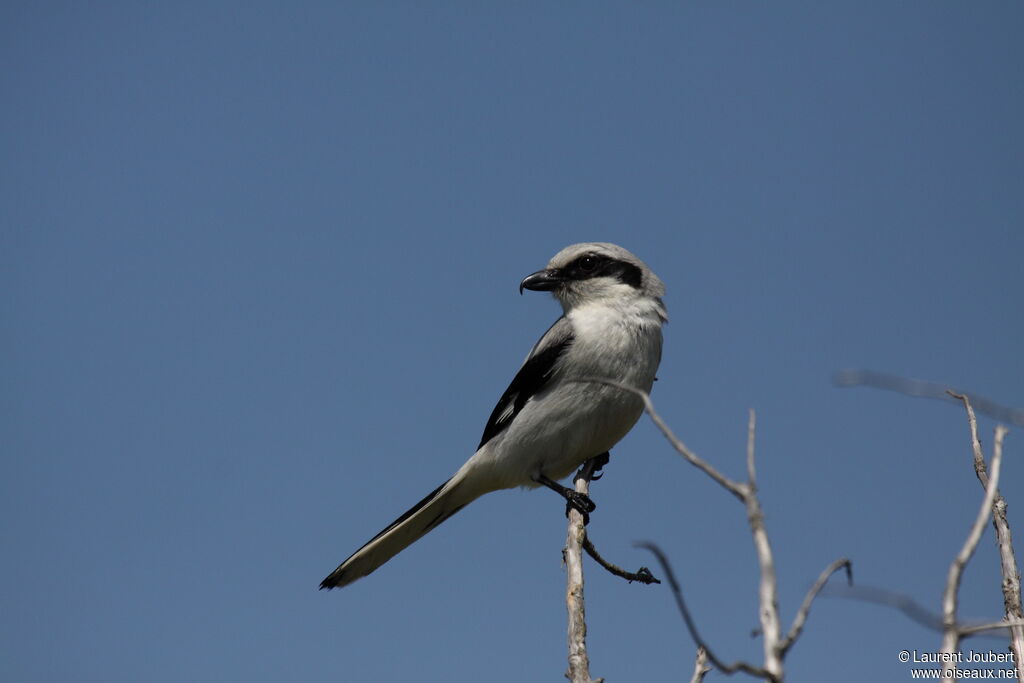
x=442, y=503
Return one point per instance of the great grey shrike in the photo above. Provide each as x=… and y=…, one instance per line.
x=547, y=424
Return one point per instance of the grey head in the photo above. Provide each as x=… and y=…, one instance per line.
x=592, y=271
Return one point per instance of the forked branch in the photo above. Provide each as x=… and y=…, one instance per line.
x=775, y=644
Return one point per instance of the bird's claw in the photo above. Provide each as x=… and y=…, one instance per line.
x=644, y=575
x=581, y=503
x=599, y=462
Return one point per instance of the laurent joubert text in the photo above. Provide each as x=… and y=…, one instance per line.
x=968, y=657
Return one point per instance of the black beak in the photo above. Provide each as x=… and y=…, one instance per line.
x=541, y=281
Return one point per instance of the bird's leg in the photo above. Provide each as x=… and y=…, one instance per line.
x=573, y=500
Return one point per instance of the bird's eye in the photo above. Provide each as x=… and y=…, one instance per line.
x=588, y=263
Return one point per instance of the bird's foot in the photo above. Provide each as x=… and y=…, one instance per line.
x=573, y=499
x=581, y=503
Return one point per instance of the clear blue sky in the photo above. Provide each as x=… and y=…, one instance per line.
x=258, y=281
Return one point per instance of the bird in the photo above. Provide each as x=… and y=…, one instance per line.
x=552, y=417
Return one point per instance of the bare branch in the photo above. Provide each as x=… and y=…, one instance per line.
x=775, y=646
x=771, y=629
x=579, y=661
x=643, y=575
x=700, y=666
x=1008, y=563
x=917, y=613
x=1004, y=540
x=677, y=593
x=747, y=494
x=967, y=631
x=951, y=637
x=805, y=608
x=736, y=489
x=972, y=424
x=920, y=388
x=881, y=596
x=993, y=500
x=1011, y=582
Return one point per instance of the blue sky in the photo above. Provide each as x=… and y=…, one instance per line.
x=258, y=278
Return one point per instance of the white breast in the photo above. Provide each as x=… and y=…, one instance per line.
x=571, y=421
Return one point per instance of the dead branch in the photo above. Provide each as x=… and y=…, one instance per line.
x=1004, y=540
x=805, y=608
x=881, y=596
x=579, y=661
x=684, y=611
x=775, y=646
x=643, y=575
x=923, y=389
x=700, y=666
x=771, y=629
x=914, y=611
x=1009, y=626
x=951, y=635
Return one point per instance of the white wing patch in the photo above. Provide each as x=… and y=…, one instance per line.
x=510, y=409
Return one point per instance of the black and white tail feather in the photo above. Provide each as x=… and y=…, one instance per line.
x=546, y=425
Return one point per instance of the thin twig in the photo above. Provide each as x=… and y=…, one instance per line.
x=967, y=631
x=972, y=424
x=735, y=488
x=912, y=609
x=920, y=388
x=677, y=593
x=917, y=613
x=881, y=596
x=643, y=575
x=951, y=637
x=805, y=608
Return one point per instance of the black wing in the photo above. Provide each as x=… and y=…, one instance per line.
x=530, y=379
